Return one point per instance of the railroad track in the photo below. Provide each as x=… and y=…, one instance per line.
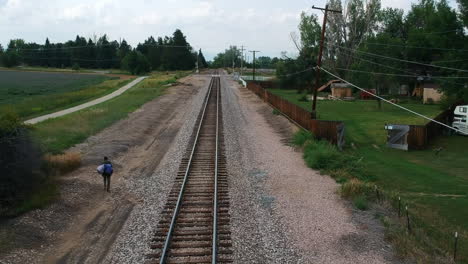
x=194, y=226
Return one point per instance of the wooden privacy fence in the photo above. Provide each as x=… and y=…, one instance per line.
x=332, y=131
x=419, y=137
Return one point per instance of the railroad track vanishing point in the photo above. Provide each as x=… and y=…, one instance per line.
x=194, y=225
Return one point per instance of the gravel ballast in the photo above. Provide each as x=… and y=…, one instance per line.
x=133, y=242
x=282, y=211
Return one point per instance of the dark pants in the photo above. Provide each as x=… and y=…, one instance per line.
x=106, y=178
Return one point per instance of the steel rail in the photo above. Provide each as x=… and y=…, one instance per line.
x=181, y=192
x=215, y=198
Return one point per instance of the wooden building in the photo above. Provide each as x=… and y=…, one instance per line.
x=341, y=90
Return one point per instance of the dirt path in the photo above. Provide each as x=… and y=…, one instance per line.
x=283, y=211
x=86, y=105
x=82, y=226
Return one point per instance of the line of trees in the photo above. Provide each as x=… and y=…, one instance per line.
x=233, y=55
x=168, y=53
x=431, y=32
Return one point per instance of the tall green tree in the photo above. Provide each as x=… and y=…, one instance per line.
x=201, y=60
x=463, y=6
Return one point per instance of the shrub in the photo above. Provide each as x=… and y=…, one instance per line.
x=76, y=67
x=322, y=155
x=354, y=188
x=303, y=98
x=20, y=163
x=361, y=202
x=276, y=111
x=63, y=163
x=301, y=137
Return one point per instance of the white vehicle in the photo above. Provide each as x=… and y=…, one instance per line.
x=460, y=120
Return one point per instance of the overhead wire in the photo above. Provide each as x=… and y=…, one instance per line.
x=401, y=75
x=400, y=69
x=387, y=101
x=296, y=73
x=99, y=45
x=396, y=59
x=412, y=47
x=67, y=58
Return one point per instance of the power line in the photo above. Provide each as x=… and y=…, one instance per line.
x=401, y=75
x=411, y=47
x=400, y=60
x=296, y=73
x=440, y=32
x=67, y=58
x=449, y=61
x=387, y=101
x=100, y=45
x=398, y=69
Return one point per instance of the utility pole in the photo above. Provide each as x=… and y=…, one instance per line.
x=198, y=61
x=319, y=61
x=242, y=60
x=254, y=51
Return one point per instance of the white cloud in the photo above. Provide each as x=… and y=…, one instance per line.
x=209, y=24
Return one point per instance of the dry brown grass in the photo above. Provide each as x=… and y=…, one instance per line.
x=63, y=163
x=354, y=188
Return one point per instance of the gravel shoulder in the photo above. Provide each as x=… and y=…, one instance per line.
x=88, y=225
x=282, y=211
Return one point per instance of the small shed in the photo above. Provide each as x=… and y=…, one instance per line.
x=432, y=95
x=341, y=90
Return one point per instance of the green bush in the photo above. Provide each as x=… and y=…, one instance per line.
x=76, y=67
x=276, y=111
x=20, y=164
x=301, y=137
x=303, y=98
x=322, y=155
x=361, y=202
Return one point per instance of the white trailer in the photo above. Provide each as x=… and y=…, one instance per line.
x=460, y=120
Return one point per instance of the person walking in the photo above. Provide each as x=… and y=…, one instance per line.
x=106, y=171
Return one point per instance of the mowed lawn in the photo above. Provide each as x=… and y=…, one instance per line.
x=434, y=186
x=31, y=94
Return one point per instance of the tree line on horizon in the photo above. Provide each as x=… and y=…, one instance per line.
x=164, y=53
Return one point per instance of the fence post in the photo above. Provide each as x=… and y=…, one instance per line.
x=407, y=219
x=399, y=206
x=377, y=193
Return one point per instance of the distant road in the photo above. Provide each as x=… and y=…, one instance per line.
x=86, y=105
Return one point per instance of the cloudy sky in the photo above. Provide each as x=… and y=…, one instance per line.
x=212, y=25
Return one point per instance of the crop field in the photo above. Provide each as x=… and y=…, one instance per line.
x=434, y=186
x=31, y=94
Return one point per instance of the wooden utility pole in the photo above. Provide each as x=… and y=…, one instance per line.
x=319, y=60
x=242, y=60
x=254, y=51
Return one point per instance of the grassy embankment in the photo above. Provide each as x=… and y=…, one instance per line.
x=57, y=135
x=32, y=94
x=61, y=133
x=435, y=187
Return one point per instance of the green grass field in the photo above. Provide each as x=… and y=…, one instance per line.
x=32, y=94
x=434, y=186
x=56, y=135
